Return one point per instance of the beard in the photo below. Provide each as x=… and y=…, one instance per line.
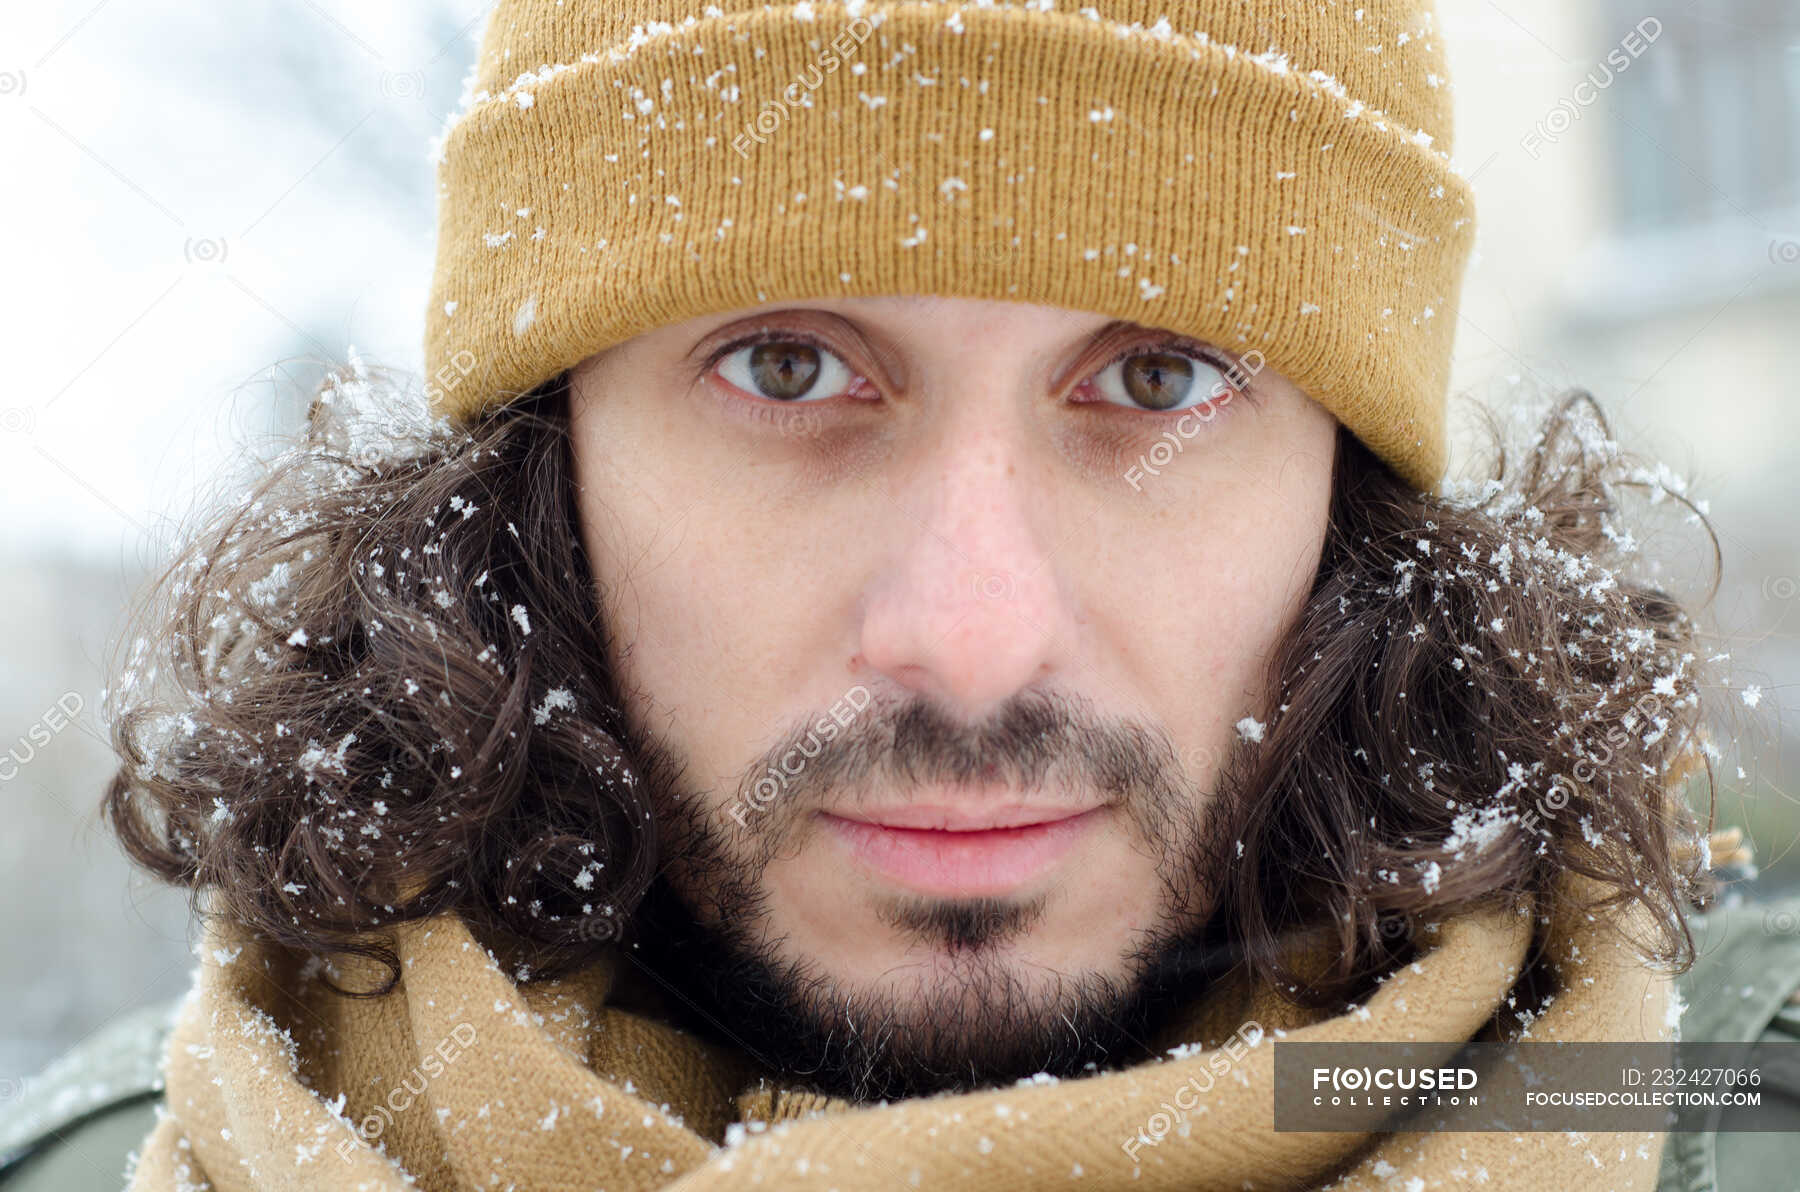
x=969, y=1016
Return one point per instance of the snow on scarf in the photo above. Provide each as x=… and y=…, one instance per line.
x=462, y=1079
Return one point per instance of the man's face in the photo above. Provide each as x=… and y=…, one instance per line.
x=944, y=654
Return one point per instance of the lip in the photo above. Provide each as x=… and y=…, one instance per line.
x=963, y=817
x=963, y=852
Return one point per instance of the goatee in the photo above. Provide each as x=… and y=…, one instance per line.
x=972, y=1016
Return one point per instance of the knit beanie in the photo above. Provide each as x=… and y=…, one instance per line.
x=1267, y=175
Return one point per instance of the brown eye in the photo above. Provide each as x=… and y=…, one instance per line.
x=1160, y=381
x=786, y=370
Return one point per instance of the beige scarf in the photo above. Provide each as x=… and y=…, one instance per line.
x=463, y=1079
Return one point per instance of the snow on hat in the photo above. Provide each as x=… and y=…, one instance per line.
x=1270, y=176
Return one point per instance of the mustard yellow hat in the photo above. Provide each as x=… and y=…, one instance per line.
x=1270, y=176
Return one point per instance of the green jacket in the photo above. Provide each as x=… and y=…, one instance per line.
x=75, y=1125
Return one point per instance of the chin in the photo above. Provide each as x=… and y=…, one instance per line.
x=902, y=973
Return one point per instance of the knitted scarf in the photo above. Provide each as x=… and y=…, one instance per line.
x=462, y=1078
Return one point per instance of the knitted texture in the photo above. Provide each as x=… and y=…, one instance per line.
x=1269, y=176
x=461, y=1079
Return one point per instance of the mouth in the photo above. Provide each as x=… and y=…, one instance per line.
x=964, y=851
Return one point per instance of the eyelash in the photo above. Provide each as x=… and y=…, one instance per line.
x=1177, y=345
x=765, y=337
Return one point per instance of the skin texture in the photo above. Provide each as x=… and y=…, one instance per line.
x=969, y=520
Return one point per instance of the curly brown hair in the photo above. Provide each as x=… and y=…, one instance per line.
x=376, y=688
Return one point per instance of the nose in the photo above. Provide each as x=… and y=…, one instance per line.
x=968, y=606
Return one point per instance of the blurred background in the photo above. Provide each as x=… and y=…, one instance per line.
x=208, y=204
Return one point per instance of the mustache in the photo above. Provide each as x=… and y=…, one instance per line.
x=867, y=745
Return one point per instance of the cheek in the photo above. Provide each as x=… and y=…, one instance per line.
x=706, y=616
x=1212, y=620
x=659, y=612
x=1203, y=594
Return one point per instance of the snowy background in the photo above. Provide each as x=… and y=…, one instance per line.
x=207, y=202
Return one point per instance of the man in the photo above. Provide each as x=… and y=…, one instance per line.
x=925, y=642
